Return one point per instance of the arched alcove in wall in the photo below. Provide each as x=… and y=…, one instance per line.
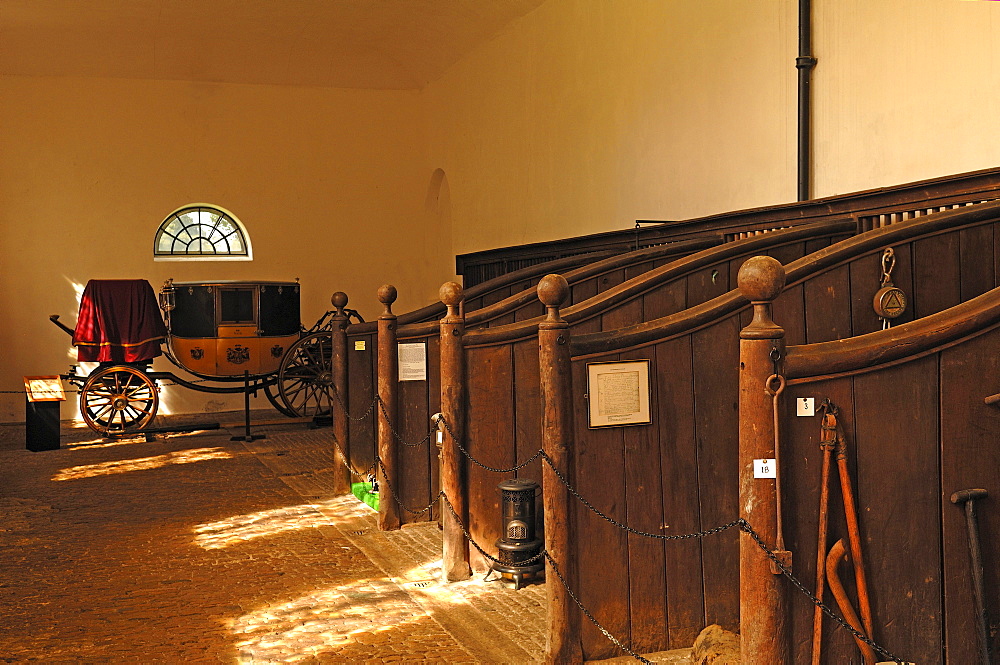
x=438, y=207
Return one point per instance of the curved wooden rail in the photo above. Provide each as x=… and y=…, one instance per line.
x=591, y=270
x=796, y=272
x=436, y=310
x=637, y=286
x=905, y=342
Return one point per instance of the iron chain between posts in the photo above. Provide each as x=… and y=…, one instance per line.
x=458, y=520
x=399, y=503
x=396, y=435
x=472, y=459
x=343, y=456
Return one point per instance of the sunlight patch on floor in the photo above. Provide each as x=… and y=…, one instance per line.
x=323, y=621
x=142, y=463
x=241, y=528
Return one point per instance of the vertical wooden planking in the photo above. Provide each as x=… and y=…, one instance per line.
x=601, y=547
x=434, y=406
x=708, y=283
x=996, y=254
x=865, y=274
x=801, y=459
x=361, y=379
x=716, y=390
x=529, y=311
x=936, y=275
x=610, y=279
x=666, y=299
x=489, y=423
x=623, y=315
x=644, y=510
x=970, y=458
x=976, y=264
x=638, y=269
x=674, y=420
x=785, y=254
x=827, y=300
x=412, y=472
x=527, y=410
x=582, y=290
x=789, y=312
x=899, y=505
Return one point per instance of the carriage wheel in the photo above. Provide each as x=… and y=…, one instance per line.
x=275, y=399
x=118, y=400
x=305, y=379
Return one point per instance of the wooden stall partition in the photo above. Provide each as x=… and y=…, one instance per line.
x=911, y=400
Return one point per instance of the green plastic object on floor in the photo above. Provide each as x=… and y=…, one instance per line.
x=363, y=492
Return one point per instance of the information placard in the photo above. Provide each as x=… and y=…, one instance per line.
x=413, y=362
x=618, y=393
x=44, y=389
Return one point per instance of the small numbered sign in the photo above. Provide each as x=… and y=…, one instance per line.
x=805, y=406
x=765, y=468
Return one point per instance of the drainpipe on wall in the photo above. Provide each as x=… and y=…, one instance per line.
x=804, y=63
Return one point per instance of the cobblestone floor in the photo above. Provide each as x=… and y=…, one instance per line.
x=196, y=548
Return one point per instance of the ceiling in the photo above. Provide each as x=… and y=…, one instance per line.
x=367, y=44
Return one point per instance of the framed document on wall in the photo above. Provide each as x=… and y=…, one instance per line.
x=618, y=393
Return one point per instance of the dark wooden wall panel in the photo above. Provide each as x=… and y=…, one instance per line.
x=827, y=302
x=936, y=275
x=679, y=489
x=601, y=547
x=434, y=406
x=627, y=314
x=360, y=376
x=970, y=458
x=414, y=476
x=707, y=283
x=899, y=504
x=976, y=247
x=582, y=291
x=528, y=410
x=716, y=380
x=802, y=463
x=789, y=311
x=669, y=299
x=644, y=509
x=490, y=439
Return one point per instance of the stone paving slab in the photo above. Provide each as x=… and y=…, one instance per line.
x=196, y=548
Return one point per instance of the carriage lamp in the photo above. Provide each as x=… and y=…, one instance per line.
x=166, y=296
x=518, y=547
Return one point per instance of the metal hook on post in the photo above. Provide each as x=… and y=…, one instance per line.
x=775, y=386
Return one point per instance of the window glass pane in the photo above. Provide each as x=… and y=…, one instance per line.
x=200, y=231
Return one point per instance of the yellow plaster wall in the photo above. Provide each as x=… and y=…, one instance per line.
x=329, y=183
x=586, y=115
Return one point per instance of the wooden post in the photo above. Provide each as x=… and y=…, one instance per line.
x=341, y=425
x=562, y=642
x=763, y=603
x=388, y=392
x=455, y=550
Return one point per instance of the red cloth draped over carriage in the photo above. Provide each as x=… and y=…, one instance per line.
x=119, y=322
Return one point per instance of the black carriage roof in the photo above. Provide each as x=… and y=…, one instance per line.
x=234, y=282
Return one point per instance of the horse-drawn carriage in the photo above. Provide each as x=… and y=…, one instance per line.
x=246, y=334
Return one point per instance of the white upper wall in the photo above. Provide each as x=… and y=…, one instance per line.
x=586, y=115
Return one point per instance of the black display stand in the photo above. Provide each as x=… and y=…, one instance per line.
x=41, y=426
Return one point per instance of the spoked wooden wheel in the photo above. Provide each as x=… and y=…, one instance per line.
x=305, y=379
x=118, y=400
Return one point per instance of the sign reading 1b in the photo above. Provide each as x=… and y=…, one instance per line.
x=765, y=468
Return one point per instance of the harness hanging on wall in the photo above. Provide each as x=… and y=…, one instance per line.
x=889, y=301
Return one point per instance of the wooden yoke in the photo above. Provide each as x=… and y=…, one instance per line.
x=341, y=428
x=388, y=393
x=562, y=643
x=455, y=550
x=763, y=602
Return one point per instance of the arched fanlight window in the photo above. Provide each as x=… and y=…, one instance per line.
x=201, y=232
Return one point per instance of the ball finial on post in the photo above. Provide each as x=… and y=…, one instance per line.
x=761, y=280
x=451, y=295
x=553, y=290
x=339, y=301
x=387, y=295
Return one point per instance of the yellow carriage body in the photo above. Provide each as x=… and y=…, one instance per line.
x=223, y=329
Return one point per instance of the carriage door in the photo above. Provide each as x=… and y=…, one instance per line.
x=238, y=348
